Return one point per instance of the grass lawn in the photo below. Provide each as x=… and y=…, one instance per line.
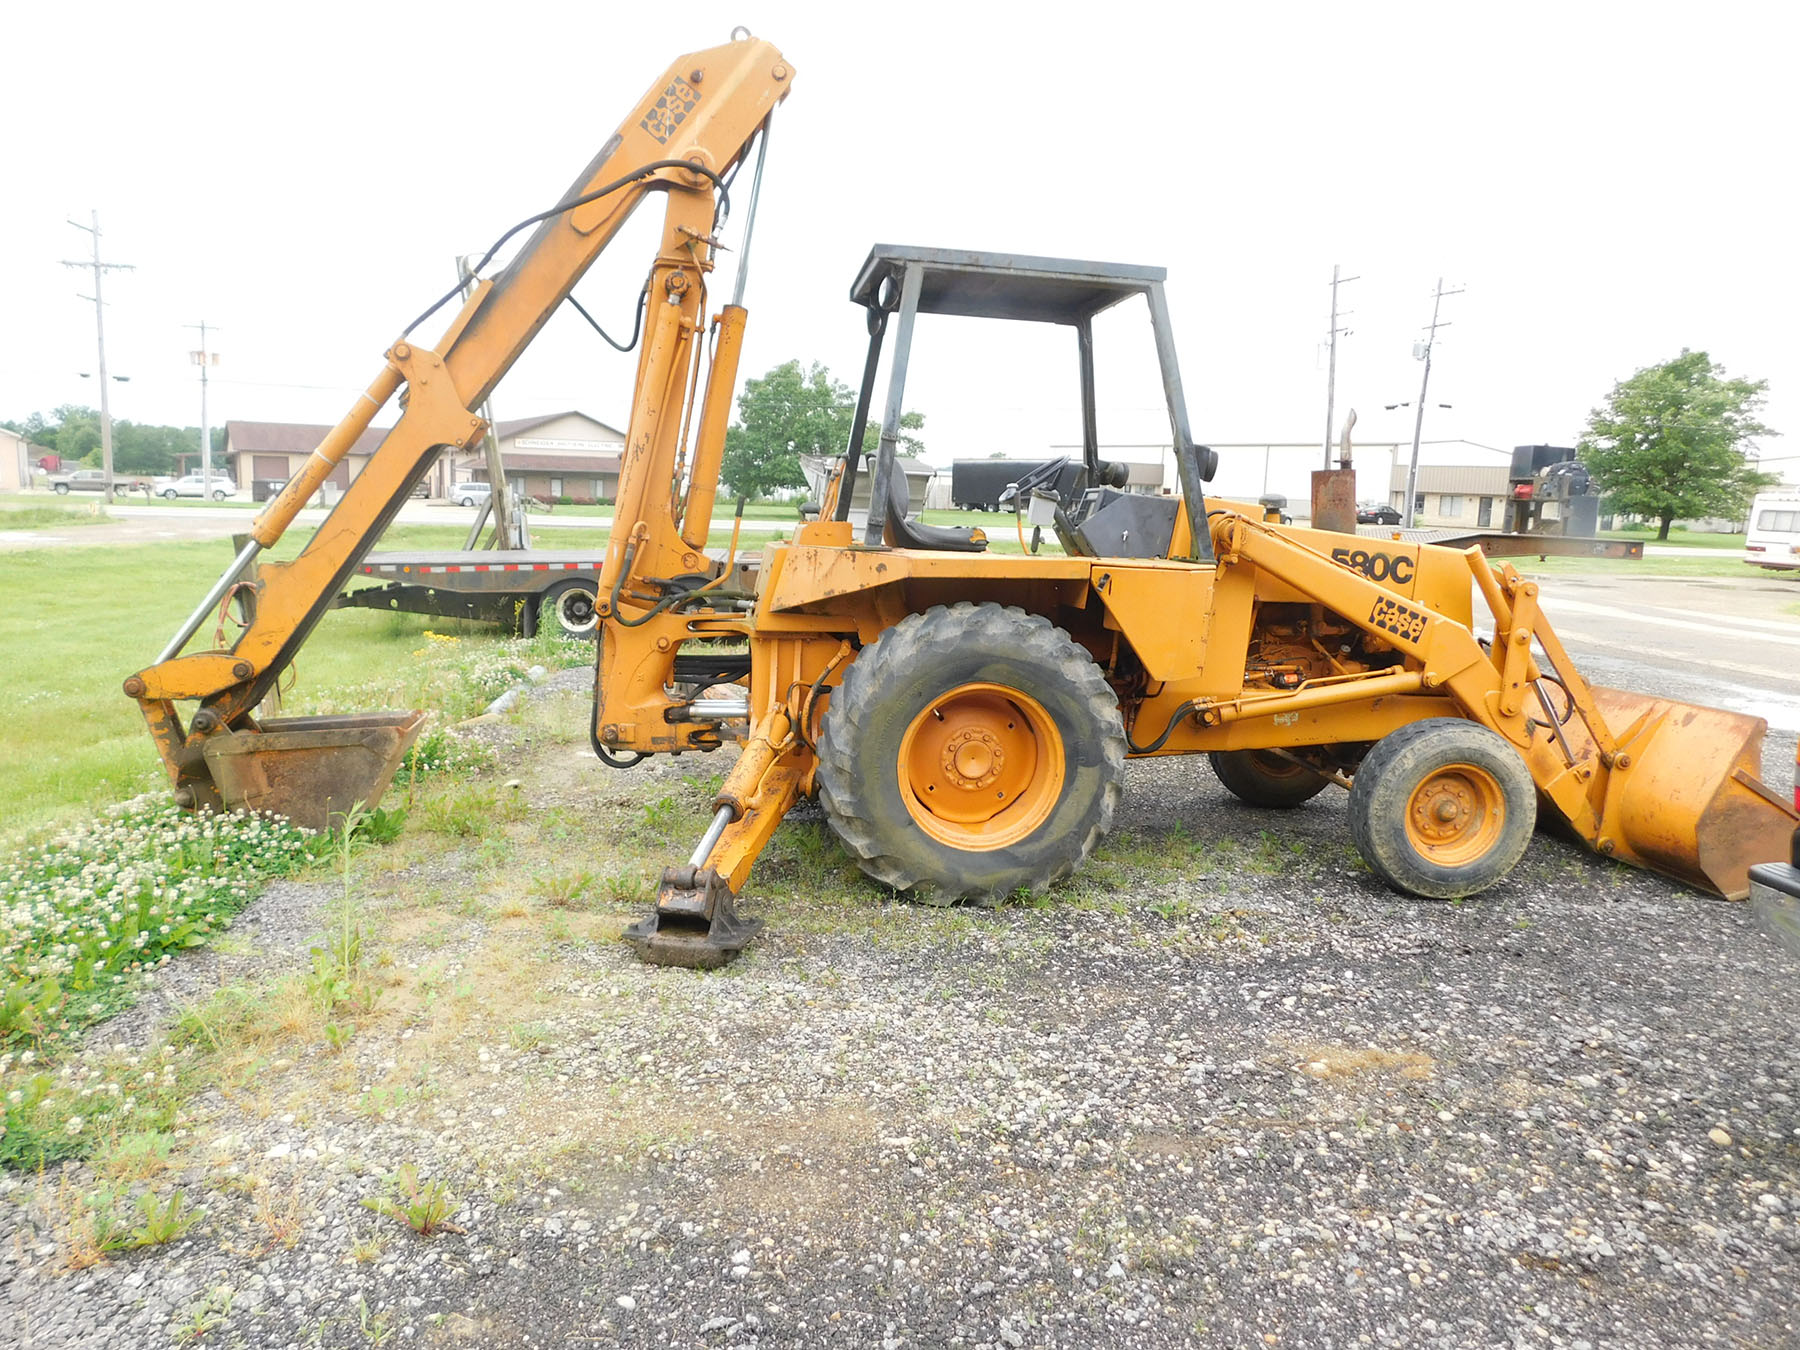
x=82, y=619
x=1647, y=567
x=1679, y=539
x=19, y=514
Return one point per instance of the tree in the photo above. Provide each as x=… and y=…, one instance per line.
x=788, y=413
x=1670, y=441
x=73, y=432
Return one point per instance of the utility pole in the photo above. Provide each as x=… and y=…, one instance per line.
x=1412, y=472
x=506, y=534
x=204, y=358
x=1331, y=379
x=100, y=331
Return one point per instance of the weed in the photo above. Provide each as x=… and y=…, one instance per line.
x=281, y=1213
x=662, y=816
x=423, y=1206
x=442, y=751
x=140, y=1155
x=161, y=1221
x=562, y=889
x=528, y=1036
x=375, y=1327
x=338, y=979
x=469, y=811
x=1180, y=907
x=100, y=1222
x=365, y=1250
x=627, y=888
x=207, y=1313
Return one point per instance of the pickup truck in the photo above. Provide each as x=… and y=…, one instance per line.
x=94, y=480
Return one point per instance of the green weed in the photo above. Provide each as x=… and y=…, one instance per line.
x=423, y=1206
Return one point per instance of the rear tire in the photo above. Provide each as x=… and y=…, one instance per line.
x=1442, y=808
x=569, y=606
x=971, y=751
x=1261, y=778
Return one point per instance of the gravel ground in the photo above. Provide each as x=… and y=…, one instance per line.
x=1225, y=1091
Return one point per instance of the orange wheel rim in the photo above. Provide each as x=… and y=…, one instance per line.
x=981, y=767
x=1456, y=815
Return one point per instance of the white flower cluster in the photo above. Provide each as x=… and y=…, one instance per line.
x=93, y=904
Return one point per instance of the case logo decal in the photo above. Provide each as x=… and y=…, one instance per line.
x=671, y=110
x=1404, y=622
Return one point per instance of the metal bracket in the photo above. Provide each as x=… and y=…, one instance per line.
x=695, y=923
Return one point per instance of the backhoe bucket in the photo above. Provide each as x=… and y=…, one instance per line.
x=313, y=770
x=1691, y=802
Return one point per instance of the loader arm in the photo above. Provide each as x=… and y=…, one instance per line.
x=1669, y=786
x=684, y=136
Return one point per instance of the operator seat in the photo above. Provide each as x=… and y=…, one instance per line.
x=900, y=532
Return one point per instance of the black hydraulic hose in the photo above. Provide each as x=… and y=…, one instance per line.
x=643, y=171
x=637, y=327
x=1168, y=731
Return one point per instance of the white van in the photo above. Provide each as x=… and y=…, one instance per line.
x=1773, y=539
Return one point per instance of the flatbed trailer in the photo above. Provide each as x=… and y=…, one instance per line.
x=1502, y=544
x=520, y=588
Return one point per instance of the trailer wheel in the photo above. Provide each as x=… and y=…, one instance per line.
x=1261, y=778
x=1442, y=808
x=570, y=606
x=970, y=751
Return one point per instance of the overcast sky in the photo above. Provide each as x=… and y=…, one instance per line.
x=1606, y=183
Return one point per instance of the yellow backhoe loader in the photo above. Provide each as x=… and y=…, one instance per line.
x=963, y=716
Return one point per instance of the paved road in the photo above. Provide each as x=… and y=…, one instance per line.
x=127, y=522
x=1726, y=643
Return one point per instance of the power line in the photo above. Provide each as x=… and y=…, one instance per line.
x=100, y=268
x=1412, y=472
x=1331, y=377
x=203, y=358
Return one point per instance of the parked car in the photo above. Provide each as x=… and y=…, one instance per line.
x=1376, y=513
x=471, y=494
x=195, y=485
x=93, y=480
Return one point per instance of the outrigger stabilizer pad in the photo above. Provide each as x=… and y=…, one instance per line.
x=695, y=923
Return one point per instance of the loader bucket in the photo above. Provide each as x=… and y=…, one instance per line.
x=1691, y=803
x=312, y=770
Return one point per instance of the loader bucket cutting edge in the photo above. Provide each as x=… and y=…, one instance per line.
x=1690, y=806
x=313, y=770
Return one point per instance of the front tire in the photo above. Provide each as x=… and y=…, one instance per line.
x=970, y=751
x=62, y=489
x=170, y=495
x=1442, y=808
x=1261, y=778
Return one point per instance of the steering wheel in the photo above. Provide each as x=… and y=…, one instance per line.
x=1045, y=473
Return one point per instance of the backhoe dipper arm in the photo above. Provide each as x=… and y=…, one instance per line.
x=704, y=111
